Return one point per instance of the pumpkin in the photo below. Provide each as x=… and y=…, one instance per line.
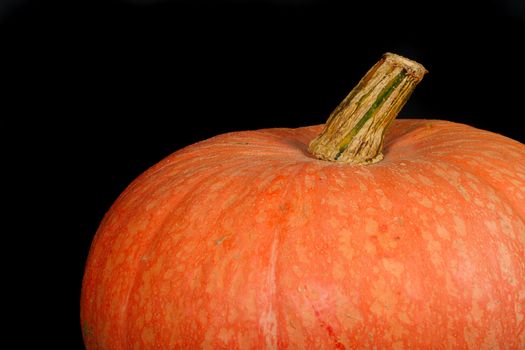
x=405, y=234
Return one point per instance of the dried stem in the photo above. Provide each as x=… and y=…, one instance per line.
x=355, y=130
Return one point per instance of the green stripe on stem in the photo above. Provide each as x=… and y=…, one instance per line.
x=387, y=91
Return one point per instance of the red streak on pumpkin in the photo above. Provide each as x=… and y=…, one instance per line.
x=329, y=330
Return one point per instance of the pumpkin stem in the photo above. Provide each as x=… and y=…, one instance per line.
x=355, y=130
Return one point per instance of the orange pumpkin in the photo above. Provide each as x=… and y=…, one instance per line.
x=246, y=241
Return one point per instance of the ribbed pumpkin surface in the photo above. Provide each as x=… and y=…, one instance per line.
x=245, y=241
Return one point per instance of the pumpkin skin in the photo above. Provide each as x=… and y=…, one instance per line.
x=245, y=241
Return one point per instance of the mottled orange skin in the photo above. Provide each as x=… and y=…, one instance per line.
x=244, y=241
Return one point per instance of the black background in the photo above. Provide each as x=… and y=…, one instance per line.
x=99, y=90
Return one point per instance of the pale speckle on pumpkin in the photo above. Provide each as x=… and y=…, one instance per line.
x=384, y=299
x=338, y=272
x=422, y=199
x=450, y=284
x=506, y=227
x=434, y=248
x=461, y=247
x=505, y=264
x=459, y=225
x=443, y=232
x=385, y=203
x=479, y=202
x=440, y=210
x=408, y=178
x=371, y=226
x=137, y=226
x=464, y=193
x=148, y=336
x=425, y=180
x=476, y=311
x=490, y=225
x=309, y=181
x=370, y=248
x=398, y=345
x=225, y=335
x=268, y=319
x=394, y=267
